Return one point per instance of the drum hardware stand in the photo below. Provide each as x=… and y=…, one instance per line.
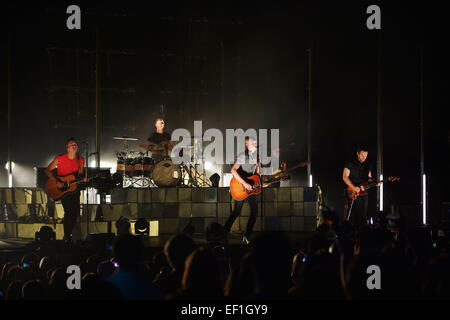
x=145, y=182
x=187, y=169
x=126, y=154
x=196, y=178
x=201, y=177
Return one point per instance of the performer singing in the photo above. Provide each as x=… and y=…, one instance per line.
x=246, y=164
x=159, y=142
x=68, y=163
x=356, y=172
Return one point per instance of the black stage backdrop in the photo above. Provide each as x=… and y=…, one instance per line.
x=233, y=65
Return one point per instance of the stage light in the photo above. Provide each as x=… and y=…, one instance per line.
x=142, y=227
x=310, y=180
x=45, y=234
x=10, y=178
x=215, y=179
x=12, y=165
x=208, y=165
x=381, y=194
x=424, y=199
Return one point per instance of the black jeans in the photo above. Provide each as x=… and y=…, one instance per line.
x=252, y=201
x=71, y=205
x=358, y=214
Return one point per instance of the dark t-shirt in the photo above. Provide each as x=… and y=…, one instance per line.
x=159, y=137
x=358, y=171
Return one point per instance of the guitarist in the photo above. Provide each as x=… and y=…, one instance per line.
x=246, y=165
x=68, y=163
x=356, y=172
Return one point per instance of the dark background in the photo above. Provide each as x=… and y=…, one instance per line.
x=233, y=65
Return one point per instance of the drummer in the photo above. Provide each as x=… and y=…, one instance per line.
x=159, y=142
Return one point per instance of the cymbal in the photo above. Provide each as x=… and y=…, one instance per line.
x=125, y=138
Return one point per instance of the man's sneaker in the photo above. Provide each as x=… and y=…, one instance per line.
x=245, y=240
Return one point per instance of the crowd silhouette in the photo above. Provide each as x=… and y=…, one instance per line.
x=330, y=265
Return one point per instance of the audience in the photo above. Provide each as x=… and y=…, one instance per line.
x=330, y=265
x=201, y=278
x=132, y=285
x=176, y=250
x=271, y=266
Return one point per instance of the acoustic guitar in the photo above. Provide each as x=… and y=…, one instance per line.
x=238, y=191
x=70, y=186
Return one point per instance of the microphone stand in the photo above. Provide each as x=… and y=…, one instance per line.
x=87, y=155
x=87, y=189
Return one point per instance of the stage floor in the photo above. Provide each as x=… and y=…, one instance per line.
x=234, y=239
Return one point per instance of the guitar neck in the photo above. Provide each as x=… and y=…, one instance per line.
x=292, y=168
x=371, y=185
x=81, y=179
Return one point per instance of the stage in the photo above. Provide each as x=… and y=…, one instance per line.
x=168, y=211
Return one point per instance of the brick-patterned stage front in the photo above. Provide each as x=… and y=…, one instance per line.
x=169, y=210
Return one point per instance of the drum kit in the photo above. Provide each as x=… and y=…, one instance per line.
x=153, y=168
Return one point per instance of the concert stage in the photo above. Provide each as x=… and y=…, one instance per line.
x=169, y=210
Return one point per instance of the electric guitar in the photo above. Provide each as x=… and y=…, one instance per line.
x=70, y=186
x=238, y=191
x=366, y=186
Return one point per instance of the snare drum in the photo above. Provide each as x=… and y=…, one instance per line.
x=166, y=174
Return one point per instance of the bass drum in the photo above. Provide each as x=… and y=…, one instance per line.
x=166, y=174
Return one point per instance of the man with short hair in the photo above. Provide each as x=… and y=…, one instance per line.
x=159, y=142
x=68, y=163
x=357, y=172
x=247, y=164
